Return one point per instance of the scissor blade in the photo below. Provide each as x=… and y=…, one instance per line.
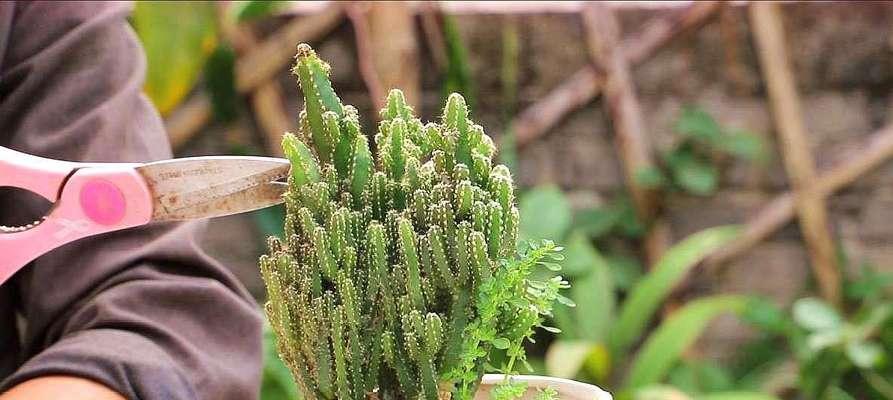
x=204, y=187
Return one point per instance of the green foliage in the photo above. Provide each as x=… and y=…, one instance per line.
x=458, y=77
x=511, y=48
x=396, y=273
x=243, y=11
x=176, y=46
x=548, y=214
x=278, y=383
x=840, y=353
x=596, y=342
x=220, y=80
x=509, y=307
x=647, y=294
x=664, y=347
x=692, y=165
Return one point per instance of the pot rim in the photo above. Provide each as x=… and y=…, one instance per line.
x=582, y=390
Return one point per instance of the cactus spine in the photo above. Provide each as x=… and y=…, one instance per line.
x=374, y=282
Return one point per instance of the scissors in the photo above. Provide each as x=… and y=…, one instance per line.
x=94, y=198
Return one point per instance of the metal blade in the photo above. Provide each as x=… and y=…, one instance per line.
x=204, y=187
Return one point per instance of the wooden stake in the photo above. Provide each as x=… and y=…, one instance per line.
x=769, y=34
x=357, y=15
x=603, y=38
x=585, y=84
x=256, y=67
x=395, y=51
x=877, y=149
x=276, y=52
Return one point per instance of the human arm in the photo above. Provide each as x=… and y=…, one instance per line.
x=143, y=311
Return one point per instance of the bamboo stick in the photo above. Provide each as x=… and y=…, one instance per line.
x=630, y=139
x=585, y=84
x=395, y=50
x=357, y=15
x=276, y=52
x=252, y=70
x=187, y=119
x=798, y=160
x=877, y=149
x=266, y=100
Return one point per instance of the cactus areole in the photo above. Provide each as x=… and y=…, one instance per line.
x=398, y=274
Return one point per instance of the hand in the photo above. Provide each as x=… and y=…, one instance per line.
x=60, y=387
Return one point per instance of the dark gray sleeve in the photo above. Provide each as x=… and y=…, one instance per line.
x=142, y=311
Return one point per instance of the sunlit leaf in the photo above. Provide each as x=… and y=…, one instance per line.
x=565, y=358
x=501, y=343
x=664, y=347
x=648, y=293
x=659, y=392
x=177, y=37
x=815, y=315
x=864, y=354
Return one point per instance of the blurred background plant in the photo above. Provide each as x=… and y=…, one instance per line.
x=635, y=148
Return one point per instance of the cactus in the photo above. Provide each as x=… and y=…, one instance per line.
x=397, y=273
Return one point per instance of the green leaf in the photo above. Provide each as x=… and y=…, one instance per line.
x=701, y=376
x=177, y=37
x=269, y=220
x=815, y=315
x=766, y=316
x=658, y=392
x=220, y=80
x=277, y=379
x=458, y=72
x=625, y=270
x=664, y=347
x=501, y=343
x=743, y=144
x=646, y=296
x=594, y=295
x=545, y=214
x=825, y=338
x=864, y=355
x=698, y=124
x=565, y=358
x=243, y=11
x=694, y=175
x=737, y=396
x=596, y=222
x=650, y=177
x=579, y=255
x=628, y=223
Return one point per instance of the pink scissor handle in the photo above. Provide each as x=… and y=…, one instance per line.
x=96, y=199
x=39, y=175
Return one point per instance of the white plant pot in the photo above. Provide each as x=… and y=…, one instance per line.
x=567, y=389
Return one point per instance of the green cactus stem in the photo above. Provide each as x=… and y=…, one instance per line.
x=377, y=279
